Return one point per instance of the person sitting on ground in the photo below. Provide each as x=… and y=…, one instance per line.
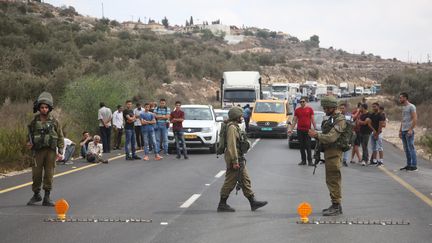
x=86, y=139
x=68, y=151
x=95, y=149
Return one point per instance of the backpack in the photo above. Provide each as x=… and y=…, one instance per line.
x=244, y=145
x=346, y=138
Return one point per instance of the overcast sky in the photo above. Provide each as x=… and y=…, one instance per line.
x=389, y=28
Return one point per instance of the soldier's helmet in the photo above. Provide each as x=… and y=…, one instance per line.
x=235, y=113
x=329, y=101
x=44, y=98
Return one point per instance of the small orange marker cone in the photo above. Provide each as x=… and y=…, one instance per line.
x=304, y=210
x=61, y=207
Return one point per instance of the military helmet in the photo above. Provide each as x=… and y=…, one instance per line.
x=329, y=101
x=235, y=113
x=44, y=98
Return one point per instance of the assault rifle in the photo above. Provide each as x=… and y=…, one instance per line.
x=317, y=156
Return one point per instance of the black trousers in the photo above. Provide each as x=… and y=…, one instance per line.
x=139, y=137
x=305, y=145
x=119, y=134
x=247, y=120
x=106, y=138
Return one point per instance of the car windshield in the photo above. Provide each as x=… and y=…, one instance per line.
x=270, y=107
x=197, y=113
x=279, y=88
x=239, y=95
x=319, y=117
x=223, y=114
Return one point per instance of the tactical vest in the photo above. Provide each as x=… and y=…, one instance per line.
x=343, y=141
x=243, y=144
x=44, y=134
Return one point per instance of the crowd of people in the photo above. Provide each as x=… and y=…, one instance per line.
x=368, y=125
x=145, y=127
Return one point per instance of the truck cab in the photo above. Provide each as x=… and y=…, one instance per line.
x=240, y=88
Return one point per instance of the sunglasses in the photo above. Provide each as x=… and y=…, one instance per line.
x=302, y=101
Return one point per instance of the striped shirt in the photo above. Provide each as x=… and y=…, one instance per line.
x=162, y=112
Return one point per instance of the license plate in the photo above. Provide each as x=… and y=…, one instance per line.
x=190, y=136
x=266, y=129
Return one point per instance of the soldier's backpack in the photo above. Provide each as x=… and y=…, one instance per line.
x=346, y=138
x=244, y=142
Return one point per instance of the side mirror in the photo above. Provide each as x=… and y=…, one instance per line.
x=219, y=119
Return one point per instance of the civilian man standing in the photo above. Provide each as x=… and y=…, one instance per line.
x=129, y=118
x=377, y=120
x=139, y=139
x=105, y=116
x=177, y=118
x=162, y=116
x=366, y=129
x=118, y=124
x=303, y=118
x=406, y=131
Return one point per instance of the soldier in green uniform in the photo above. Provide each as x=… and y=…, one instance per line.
x=236, y=163
x=46, y=141
x=329, y=140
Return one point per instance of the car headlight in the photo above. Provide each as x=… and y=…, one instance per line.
x=207, y=130
x=282, y=124
x=252, y=123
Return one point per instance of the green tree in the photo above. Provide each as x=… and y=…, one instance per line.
x=153, y=66
x=314, y=40
x=165, y=22
x=191, y=21
x=263, y=34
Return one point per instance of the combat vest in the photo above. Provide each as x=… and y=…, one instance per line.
x=43, y=134
x=345, y=139
x=243, y=144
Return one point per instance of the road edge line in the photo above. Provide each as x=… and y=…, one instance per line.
x=57, y=175
x=407, y=186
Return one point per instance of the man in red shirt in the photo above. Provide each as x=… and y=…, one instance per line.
x=303, y=118
x=177, y=118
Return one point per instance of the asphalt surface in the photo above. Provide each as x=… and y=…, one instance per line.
x=159, y=190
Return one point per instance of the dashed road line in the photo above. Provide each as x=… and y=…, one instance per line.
x=255, y=142
x=190, y=201
x=220, y=174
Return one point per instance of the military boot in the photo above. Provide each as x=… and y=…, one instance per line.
x=223, y=206
x=46, y=200
x=36, y=198
x=256, y=204
x=334, y=210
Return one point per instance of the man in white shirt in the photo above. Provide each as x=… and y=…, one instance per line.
x=105, y=117
x=138, y=135
x=94, y=153
x=68, y=151
x=118, y=125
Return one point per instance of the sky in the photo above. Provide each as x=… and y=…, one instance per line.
x=388, y=28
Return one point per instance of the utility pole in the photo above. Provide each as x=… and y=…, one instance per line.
x=103, y=16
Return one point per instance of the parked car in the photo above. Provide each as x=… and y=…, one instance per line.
x=201, y=127
x=293, y=138
x=224, y=114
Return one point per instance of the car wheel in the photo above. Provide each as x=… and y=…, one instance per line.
x=213, y=148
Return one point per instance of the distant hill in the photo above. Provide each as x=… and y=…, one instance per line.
x=47, y=48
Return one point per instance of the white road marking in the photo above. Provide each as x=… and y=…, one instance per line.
x=190, y=201
x=164, y=223
x=255, y=142
x=207, y=184
x=220, y=174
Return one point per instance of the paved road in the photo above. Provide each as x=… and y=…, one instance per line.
x=156, y=190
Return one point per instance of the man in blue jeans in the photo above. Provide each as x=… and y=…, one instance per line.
x=177, y=118
x=129, y=127
x=406, y=131
x=162, y=116
x=147, y=130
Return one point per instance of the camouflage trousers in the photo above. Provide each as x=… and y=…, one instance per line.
x=43, y=169
x=332, y=157
x=231, y=181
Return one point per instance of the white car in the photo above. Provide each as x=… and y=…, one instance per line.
x=201, y=128
x=224, y=115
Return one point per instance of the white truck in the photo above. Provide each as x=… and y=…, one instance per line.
x=333, y=90
x=346, y=89
x=359, y=90
x=321, y=90
x=240, y=88
x=280, y=91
